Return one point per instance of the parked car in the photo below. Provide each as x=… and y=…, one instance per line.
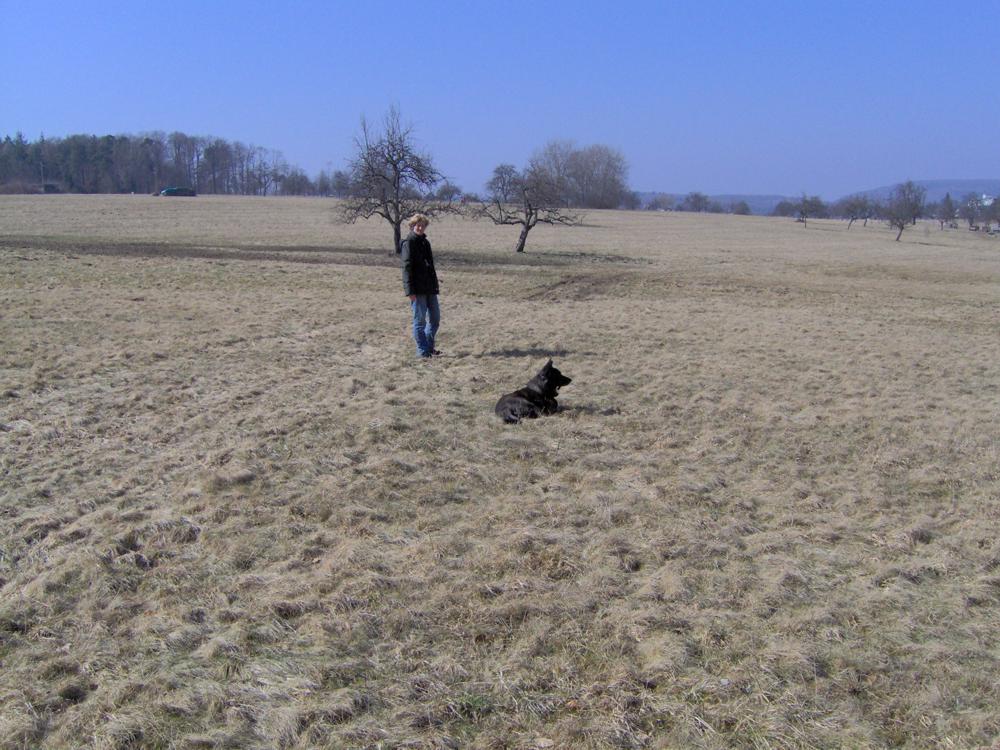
x=184, y=192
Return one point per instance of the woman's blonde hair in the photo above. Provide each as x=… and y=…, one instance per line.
x=418, y=219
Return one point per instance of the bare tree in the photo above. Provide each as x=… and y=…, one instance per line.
x=969, y=209
x=340, y=184
x=238, y=175
x=389, y=177
x=991, y=212
x=185, y=154
x=598, y=177
x=556, y=159
x=216, y=163
x=295, y=182
x=524, y=199
x=632, y=201
x=660, y=202
x=946, y=211
x=905, y=206
x=854, y=207
x=323, y=184
x=697, y=202
x=591, y=177
x=785, y=208
x=448, y=193
x=810, y=206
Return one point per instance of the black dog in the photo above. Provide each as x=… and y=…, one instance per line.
x=536, y=398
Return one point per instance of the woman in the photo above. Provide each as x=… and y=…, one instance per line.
x=420, y=284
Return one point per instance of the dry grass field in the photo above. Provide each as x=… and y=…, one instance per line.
x=237, y=512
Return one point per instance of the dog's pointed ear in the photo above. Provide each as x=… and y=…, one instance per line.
x=548, y=365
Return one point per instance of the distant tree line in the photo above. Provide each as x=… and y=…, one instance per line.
x=147, y=163
x=590, y=177
x=904, y=205
x=696, y=202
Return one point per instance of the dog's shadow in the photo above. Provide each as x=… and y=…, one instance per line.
x=592, y=410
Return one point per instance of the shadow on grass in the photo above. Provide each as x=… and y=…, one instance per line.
x=525, y=353
x=592, y=410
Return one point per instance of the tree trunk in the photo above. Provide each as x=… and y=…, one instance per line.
x=525, y=228
x=850, y=222
x=397, y=236
x=900, y=232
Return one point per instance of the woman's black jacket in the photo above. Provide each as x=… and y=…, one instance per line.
x=417, y=260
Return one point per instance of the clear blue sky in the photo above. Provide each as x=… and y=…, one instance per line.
x=737, y=97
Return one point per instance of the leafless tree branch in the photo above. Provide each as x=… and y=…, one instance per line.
x=390, y=178
x=524, y=199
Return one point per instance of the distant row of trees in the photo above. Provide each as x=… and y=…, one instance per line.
x=907, y=197
x=903, y=206
x=145, y=164
x=591, y=177
x=697, y=203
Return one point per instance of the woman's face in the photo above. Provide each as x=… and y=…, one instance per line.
x=419, y=228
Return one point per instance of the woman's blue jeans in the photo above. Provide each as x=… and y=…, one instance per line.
x=426, y=319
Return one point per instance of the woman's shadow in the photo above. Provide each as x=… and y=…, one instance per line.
x=526, y=353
